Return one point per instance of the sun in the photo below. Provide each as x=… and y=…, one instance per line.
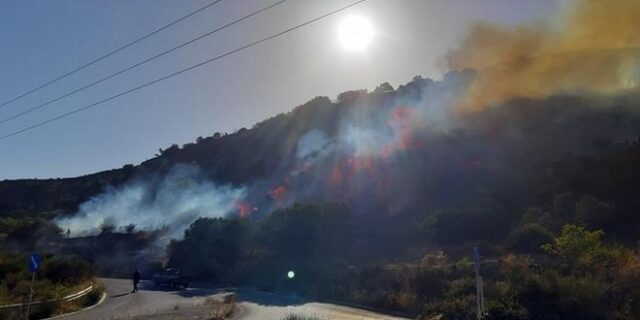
x=355, y=33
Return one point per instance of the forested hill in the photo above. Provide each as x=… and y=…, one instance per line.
x=512, y=149
x=236, y=158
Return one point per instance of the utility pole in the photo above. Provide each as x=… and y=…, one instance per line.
x=479, y=284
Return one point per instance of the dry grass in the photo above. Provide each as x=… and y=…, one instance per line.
x=211, y=309
x=221, y=310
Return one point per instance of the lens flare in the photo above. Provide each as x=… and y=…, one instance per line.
x=355, y=33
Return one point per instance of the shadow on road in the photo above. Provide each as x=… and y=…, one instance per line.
x=242, y=294
x=120, y=295
x=269, y=299
x=186, y=293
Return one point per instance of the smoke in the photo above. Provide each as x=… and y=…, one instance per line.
x=595, y=47
x=393, y=150
x=171, y=202
x=312, y=144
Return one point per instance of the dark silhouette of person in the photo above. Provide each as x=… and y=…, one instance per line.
x=136, y=280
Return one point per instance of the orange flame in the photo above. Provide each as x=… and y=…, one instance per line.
x=278, y=193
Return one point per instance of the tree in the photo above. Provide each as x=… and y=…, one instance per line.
x=130, y=228
x=351, y=96
x=306, y=229
x=173, y=149
x=575, y=242
x=563, y=205
x=593, y=212
x=210, y=248
x=107, y=227
x=529, y=238
x=383, y=88
x=538, y=216
x=484, y=222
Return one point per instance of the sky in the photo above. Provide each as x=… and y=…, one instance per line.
x=41, y=40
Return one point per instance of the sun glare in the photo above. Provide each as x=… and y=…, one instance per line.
x=355, y=33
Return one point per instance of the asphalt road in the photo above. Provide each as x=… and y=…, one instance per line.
x=251, y=304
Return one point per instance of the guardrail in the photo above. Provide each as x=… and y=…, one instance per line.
x=67, y=298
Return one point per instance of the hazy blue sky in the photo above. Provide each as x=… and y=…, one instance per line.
x=40, y=40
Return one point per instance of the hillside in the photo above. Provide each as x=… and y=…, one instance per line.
x=384, y=191
x=509, y=144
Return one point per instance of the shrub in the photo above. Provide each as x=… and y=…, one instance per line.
x=67, y=270
x=529, y=238
x=506, y=309
x=456, y=308
x=594, y=213
x=575, y=242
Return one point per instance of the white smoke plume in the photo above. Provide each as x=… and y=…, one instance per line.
x=172, y=202
x=312, y=143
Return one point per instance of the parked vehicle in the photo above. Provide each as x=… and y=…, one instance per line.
x=172, y=278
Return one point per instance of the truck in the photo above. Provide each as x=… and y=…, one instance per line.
x=172, y=278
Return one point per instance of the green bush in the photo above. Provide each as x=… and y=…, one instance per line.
x=506, y=309
x=529, y=238
x=593, y=212
x=456, y=308
x=58, y=274
x=575, y=242
x=66, y=270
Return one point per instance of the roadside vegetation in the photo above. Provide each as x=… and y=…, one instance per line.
x=220, y=310
x=574, y=274
x=59, y=276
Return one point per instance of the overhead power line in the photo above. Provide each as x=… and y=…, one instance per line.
x=218, y=57
x=182, y=45
x=108, y=54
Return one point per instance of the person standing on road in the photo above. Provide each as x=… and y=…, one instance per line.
x=136, y=280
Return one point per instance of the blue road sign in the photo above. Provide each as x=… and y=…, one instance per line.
x=34, y=262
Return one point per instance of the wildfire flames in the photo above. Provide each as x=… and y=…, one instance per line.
x=278, y=193
x=245, y=209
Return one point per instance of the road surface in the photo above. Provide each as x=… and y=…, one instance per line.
x=177, y=304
